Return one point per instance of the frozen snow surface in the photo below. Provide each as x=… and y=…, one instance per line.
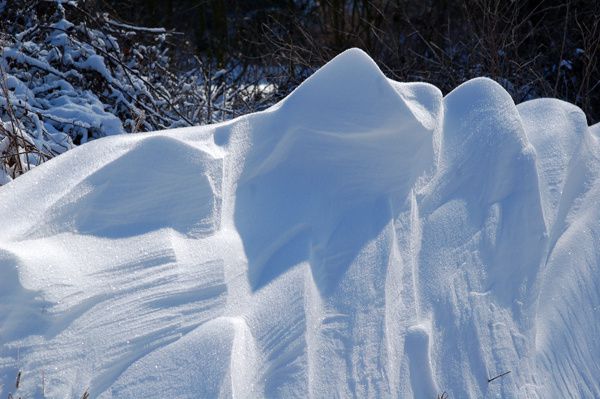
x=362, y=238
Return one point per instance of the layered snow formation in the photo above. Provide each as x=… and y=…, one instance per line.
x=362, y=238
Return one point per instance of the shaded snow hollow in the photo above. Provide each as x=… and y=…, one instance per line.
x=362, y=238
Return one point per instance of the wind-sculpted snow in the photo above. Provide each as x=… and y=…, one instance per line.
x=362, y=238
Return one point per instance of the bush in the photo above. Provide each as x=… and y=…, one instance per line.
x=70, y=74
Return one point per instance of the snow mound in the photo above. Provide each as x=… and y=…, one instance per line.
x=362, y=238
x=116, y=200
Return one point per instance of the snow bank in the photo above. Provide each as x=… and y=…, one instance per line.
x=363, y=237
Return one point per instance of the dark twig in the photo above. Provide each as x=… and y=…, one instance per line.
x=498, y=376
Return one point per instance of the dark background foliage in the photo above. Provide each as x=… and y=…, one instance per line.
x=533, y=48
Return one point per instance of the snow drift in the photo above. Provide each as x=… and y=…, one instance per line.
x=362, y=238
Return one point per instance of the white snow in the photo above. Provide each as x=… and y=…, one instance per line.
x=362, y=238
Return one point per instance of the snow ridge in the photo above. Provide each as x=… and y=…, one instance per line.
x=362, y=238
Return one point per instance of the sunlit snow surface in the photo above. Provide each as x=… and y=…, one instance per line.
x=362, y=238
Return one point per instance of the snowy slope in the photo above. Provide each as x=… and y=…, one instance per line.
x=362, y=238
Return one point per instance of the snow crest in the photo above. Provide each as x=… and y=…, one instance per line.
x=362, y=238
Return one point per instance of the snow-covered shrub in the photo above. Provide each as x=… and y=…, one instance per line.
x=70, y=75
